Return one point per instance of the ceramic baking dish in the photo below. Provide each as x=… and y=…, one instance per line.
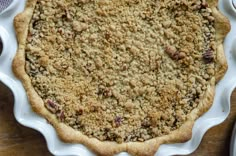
x=24, y=115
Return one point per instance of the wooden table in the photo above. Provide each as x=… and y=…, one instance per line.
x=17, y=140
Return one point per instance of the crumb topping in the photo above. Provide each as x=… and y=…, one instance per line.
x=121, y=70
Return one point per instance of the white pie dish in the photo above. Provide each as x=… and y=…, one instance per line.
x=24, y=115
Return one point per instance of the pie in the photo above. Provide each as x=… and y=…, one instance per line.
x=121, y=75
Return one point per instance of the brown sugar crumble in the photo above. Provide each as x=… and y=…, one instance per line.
x=121, y=70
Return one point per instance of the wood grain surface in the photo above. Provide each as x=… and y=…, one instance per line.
x=17, y=140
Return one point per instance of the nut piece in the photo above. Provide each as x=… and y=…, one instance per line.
x=51, y=106
x=208, y=56
x=170, y=50
x=117, y=121
x=174, y=54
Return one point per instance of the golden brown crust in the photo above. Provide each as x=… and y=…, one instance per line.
x=212, y=3
x=21, y=27
x=222, y=26
x=149, y=147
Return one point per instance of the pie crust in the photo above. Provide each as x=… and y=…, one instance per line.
x=148, y=147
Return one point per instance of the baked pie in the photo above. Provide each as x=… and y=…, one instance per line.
x=121, y=75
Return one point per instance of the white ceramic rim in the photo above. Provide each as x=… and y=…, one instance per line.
x=11, y=6
x=24, y=115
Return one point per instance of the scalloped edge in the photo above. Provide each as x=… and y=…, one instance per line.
x=19, y=117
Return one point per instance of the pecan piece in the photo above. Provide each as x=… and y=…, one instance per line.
x=80, y=111
x=118, y=121
x=174, y=54
x=170, y=50
x=208, y=56
x=106, y=92
x=61, y=115
x=51, y=106
x=204, y=4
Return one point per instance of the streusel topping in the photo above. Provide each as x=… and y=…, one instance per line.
x=121, y=70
